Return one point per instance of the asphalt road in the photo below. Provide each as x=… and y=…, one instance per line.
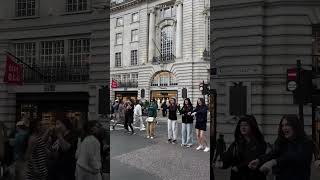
x=136, y=157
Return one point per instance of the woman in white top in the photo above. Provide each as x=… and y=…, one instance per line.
x=88, y=154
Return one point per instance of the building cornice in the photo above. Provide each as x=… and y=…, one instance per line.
x=126, y=4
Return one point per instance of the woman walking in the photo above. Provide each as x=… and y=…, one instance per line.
x=120, y=114
x=292, y=154
x=187, y=122
x=151, y=120
x=88, y=155
x=37, y=154
x=172, y=122
x=201, y=112
x=138, y=115
x=129, y=116
x=248, y=145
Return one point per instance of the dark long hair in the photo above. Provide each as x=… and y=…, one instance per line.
x=174, y=105
x=189, y=103
x=296, y=125
x=203, y=102
x=256, y=134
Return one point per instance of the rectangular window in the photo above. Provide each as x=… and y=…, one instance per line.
x=134, y=57
x=135, y=17
x=119, y=38
x=118, y=59
x=125, y=78
x=52, y=53
x=27, y=53
x=134, y=35
x=134, y=77
x=167, y=12
x=238, y=100
x=119, y=22
x=25, y=8
x=79, y=52
x=76, y=5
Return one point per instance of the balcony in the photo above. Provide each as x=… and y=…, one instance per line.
x=53, y=74
x=163, y=59
x=127, y=84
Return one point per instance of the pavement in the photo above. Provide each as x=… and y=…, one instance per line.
x=136, y=157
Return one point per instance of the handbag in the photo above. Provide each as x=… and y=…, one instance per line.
x=150, y=119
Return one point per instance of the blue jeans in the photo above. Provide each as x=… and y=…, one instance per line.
x=187, y=138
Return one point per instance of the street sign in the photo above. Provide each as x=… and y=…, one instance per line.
x=292, y=74
x=292, y=85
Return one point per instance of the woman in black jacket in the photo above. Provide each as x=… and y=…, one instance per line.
x=292, y=154
x=201, y=112
x=172, y=121
x=129, y=116
x=187, y=121
x=248, y=145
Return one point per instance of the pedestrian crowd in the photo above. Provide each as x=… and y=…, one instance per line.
x=42, y=151
x=130, y=111
x=250, y=158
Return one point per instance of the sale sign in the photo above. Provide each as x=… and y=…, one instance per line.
x=114, y=83
x=13, y=72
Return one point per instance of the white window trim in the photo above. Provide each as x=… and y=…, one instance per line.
x=132, y=17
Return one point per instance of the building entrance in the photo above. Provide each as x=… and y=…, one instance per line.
x=163, y=95
x=50, y=107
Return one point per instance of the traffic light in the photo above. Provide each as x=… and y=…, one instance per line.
x=306, y=87
x=205, y=89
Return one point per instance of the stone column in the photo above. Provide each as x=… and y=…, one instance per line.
x=152, y=32
x=179, y=29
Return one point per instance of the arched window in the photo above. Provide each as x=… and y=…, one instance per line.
x=167, y=43
x=164, y=78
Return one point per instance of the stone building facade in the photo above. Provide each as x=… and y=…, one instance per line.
x=159, y=48
x=67, y=42
x=255, y=42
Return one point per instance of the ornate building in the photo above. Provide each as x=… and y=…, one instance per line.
x=159, y=48
x=65, y=43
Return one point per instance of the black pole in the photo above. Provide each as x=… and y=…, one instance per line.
x=213, y=127
x=300, y=92
x=203, y=90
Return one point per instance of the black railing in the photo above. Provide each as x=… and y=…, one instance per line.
x=127, y=84
x=206, y=54
x=56, y=74
x=163, y=59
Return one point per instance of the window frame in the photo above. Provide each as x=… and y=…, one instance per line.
x=117, y=62
x=134, y=57
x=117, y=22
x=117, y=41
x=133, y=19
x=76, y=3
x=134, y=35
x=35, y=8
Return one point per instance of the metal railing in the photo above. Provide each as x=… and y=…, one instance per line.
x=127, y=84
x=163, y=59
x=71, y=73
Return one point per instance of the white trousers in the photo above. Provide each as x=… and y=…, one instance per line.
x=172, y=129
x=139, y=120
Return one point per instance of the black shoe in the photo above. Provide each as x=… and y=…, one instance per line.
x=169, y=141
x=133, y=133
x=174, y=142
x=113, y=127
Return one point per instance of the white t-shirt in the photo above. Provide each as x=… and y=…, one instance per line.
x=137, y=110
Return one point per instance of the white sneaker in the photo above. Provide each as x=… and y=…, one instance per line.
x=207, y=149
x=142, y=129
x=199, y=147
x=148, y=137
x=151, y=137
